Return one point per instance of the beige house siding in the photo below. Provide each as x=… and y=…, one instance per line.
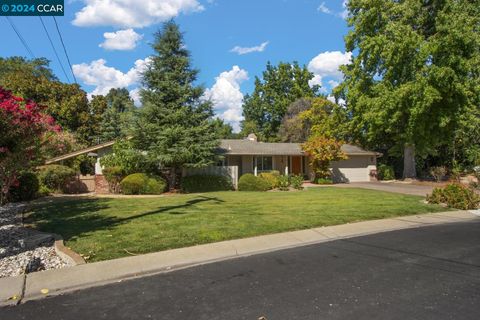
x=101, y=153
x=247, y=164
x=280, y=163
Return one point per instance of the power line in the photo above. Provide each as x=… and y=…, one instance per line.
x=65, y=49
x=54, y=49
x=19, y=35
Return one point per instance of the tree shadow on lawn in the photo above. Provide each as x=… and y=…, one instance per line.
x=78, y=217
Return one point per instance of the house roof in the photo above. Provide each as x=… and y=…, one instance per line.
x=249, y=147
x=80, y=152
x=237, y=147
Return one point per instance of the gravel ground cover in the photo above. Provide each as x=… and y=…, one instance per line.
x=17, y=254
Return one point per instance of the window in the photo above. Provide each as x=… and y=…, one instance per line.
x=264, y=164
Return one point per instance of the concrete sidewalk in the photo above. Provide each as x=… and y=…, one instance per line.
x=54, y=282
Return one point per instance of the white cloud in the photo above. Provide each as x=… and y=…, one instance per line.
x=121, y=40
x=103, y=77
x=340, y=102
x=132, y=13
x=323, y=8
x=328, y=63
x=342, y=14
x=245, y=50
x=226, y=96
x=316, y=80
x=333, y=83
x=135, y=95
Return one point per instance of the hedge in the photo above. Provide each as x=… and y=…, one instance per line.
x=271, y=177
x=249, y=182
x=455, y=196
x=385, y=172
x=55, y=177
x=206, y=183
x=140, y=183
x=26, y=189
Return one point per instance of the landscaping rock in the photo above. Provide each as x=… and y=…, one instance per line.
x=23, y=250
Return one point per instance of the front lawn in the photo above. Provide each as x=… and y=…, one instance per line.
x=105, y=228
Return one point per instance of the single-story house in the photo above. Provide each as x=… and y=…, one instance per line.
x=241, y=156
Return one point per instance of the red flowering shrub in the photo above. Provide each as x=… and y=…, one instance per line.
x=24, y=128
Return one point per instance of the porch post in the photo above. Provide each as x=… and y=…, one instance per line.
x=255, y=166
x=286, y=165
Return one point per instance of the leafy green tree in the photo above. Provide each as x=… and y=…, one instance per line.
x=126, y=157
x=293, y=128
x=119, y=99
x=313, y=116
x=322, y=151
x=280, y=85
x=417, y=70
x=224, y=130
x=33, y=79
x=325, y=118
x=174, y=127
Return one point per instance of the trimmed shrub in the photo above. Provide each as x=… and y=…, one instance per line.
x=140, y=183
x=438, y=173
x=297, y=181
x=44, y=191
x=155, y=185
x=385, y=172
x=206, y=183
x=26, y=189
x=114, y=175
x=455, y=196
x=55, y=177
x=271, y=177
x=283, y=183
x=249, y=182
x=134, y=184
x=323, y=181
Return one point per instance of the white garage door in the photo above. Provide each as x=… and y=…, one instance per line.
x=354, y=169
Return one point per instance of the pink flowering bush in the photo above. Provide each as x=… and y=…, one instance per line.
x=24, y=129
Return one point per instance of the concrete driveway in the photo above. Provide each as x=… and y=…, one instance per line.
x=396, y=187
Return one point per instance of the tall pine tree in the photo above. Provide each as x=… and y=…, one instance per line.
x=175, y=127
x=119, y=117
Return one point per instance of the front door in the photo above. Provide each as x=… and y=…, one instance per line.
x=296, y=165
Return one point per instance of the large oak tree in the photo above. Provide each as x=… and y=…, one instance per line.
x=415, y=72
x=279, y=86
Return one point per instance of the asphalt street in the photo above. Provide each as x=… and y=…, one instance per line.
x=422, y=273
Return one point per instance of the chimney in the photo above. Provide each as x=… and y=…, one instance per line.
x=252, y=137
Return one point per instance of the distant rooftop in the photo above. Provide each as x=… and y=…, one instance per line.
x=248, y=146
x=252, y=147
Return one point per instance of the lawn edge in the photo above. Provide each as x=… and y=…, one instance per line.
x=84, y=276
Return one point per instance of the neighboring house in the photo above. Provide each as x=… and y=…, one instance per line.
x=251, y=156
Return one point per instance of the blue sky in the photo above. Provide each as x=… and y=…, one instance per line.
x=230, y=41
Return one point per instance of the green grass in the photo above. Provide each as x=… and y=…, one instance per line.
x=105, y=228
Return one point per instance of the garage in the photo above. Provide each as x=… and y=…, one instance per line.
x=359, y=167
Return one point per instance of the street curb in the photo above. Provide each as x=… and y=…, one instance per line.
x=11, y=290
x=83, y=276
x=66, y=253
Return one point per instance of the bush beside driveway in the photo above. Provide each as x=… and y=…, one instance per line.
x=105, y=228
